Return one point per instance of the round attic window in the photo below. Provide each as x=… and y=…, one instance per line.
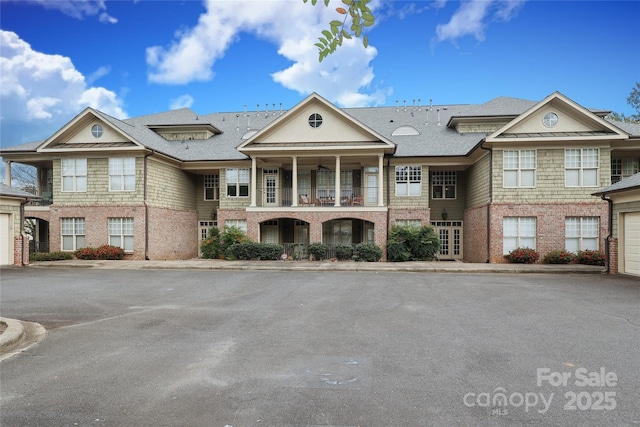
x=315, y=120
x=97, y=131
x=550, y=120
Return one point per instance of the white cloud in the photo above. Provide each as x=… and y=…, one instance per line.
x=472, y=18
x=291, y=25
x=78, y=9
x=184, y=101
x=97, y=74
x=41, y=92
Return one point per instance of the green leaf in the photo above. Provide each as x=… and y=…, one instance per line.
x=320, y=45
x=335, y=23
x=327, y=34
x=326, y=3
x=346, y=34
x=346, y=1
x=324, y=42
x=365, y=41
x=335, y=30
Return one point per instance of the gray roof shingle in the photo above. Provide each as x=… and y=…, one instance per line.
x=628, y=183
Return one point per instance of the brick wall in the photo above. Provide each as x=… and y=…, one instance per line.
x=613, y=256
x=474, y=248
x=173, y=234
x=315, y=218
x=96, y=225
x=550, y=223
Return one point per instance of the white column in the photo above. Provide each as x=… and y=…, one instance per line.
x=380, y=180
x=254, y=181
x=294, y=182
x=337, y=189
x=7, y=173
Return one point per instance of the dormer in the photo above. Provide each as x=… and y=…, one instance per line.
x=187, y=132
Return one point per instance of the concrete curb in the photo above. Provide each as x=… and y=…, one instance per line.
x=12, y=336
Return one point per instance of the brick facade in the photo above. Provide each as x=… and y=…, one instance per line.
x=173, y=234
x=613, y=256
x=475, y=234
x=550, y=223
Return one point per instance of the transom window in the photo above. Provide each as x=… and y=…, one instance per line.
x=121, y=233
x=315, y=120
x=237, y=182
x=72, y=231
x=581, y=233
x=581, y=167
x=518, y=232
x=211, y=187
x=519, y=168
x=74, y=175
x=443, y=185
x=408, y=180
x=122, y=174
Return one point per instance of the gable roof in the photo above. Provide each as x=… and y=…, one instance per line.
x=590, y=124
x=7, y=191
x=433, y=128
x=630, y=183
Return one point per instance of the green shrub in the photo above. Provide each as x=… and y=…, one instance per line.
x=368, y=252
x=412, y=243
x=102, y=252
x=210, y=246
x=523, y=256
x=591, y=257
x=231, y=235
x=318, y=251
x=51, y=256
x=254, y=251
x=344, y=252
x=559, y=257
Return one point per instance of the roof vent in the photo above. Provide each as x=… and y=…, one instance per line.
x=405, y=131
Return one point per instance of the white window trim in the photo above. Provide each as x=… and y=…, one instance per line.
x=519, y=169
x=409, y=181
x=238, y=183
x=73, y=235
x=519, y=237
x=581, y=237
x=122, y=175
x=581, y=169
x=122, y=234
x=238, y=223
x=75, y=176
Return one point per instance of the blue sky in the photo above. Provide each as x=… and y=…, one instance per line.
x=135, y=57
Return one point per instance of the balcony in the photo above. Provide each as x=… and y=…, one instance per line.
x=46, y=197
x=280, y=197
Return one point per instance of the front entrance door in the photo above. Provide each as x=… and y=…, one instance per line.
x=450, y=234
x=270, y=188
x=371, y=189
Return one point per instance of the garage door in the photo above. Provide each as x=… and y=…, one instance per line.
x=6, y=240
x=632, y=243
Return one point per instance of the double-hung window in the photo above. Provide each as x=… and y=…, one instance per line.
x=622, y=168
x=237, y=182
x=518, y=232
x=519, y=168
x=581, y=167
x=121, y=233
x=408, y=180
x=211, y=187
x=443, y=185
x=72, y=231
x=237, y=223
x=581, y=233
x=74, y=175
x=122, y=174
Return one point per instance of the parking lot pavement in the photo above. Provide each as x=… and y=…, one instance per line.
x=273, y=348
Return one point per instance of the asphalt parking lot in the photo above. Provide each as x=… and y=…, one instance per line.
x=262, y=348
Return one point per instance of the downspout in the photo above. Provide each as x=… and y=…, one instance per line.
x=607, y=240
x=490, y=199
x=388, y=198
x=22, y=260
x=146, y=209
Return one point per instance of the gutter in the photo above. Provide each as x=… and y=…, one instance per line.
x=22, y=234
x=608, y=238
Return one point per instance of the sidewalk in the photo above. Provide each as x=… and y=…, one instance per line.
x=413, y=267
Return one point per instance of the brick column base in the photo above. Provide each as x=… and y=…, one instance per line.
x=613, y=256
